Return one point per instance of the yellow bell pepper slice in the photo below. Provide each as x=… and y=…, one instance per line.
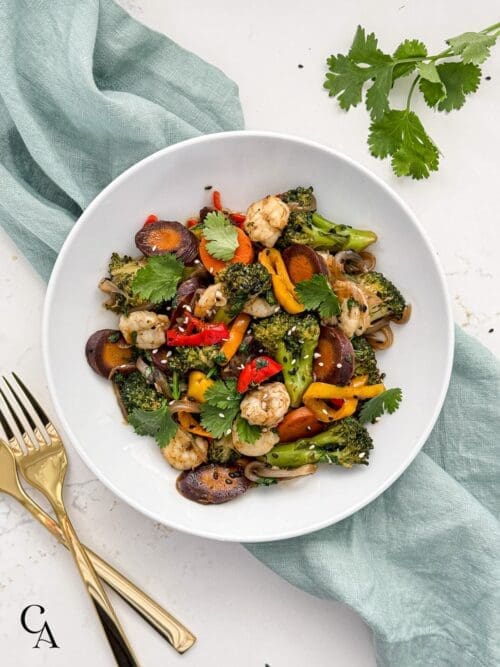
x=236, y=335
x=198, y=383
x=283, y=288
x=324, y=390
x=326, y=413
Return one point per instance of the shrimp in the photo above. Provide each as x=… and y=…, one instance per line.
x=185, y=451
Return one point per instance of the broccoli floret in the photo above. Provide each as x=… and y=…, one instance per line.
x=242, y=282
x=221, y=451
x=291, y=340
x=388, y=302
x=122, y=270
x=365, y=361
x=187, y=358
x=315, y=231
x=345, y=443
x=299, y=199
x=136, y=393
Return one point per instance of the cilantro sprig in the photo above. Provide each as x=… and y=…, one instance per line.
x=158, y=280
x=388, y=401
x=316, y=294
x=222, y=236
x=221, y=407
x=399, y=133
x=157, y=423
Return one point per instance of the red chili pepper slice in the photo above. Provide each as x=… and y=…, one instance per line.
x=207, y=334
x=217, y=200
x=192, y=222
x=256, y=371
x=150, y=219
x=238, y=218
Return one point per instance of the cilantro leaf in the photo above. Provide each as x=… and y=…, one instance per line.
x=221, y=235
x=222, y=393
x=346, y=77
x=428, y=71
x=400, y=133
x=458, y=80
x=221, y=407
x=157, y=281
x=410, y=48
x=248, y=433
x=388, y=401
x=157, y=423
x=316, y=294
x=474, y=47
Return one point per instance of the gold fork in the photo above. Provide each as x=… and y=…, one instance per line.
x=167, y=625
x=42, y=459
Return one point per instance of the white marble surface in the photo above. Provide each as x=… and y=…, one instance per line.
x=242, y=613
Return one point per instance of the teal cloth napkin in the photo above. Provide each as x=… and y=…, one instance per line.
x=85, y=92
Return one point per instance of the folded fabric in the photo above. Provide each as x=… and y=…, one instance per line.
x=85, y=92
x=421, y=564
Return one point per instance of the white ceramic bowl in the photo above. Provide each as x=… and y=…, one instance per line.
x=244, y=166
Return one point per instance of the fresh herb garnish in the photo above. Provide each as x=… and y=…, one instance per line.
x=158, y=280
x=221, y=406
x=157, y=423
x=248, y=433
x=316, y=294
x=114, y=337
x=221, y=235
x=399, y=133
x=388, y=401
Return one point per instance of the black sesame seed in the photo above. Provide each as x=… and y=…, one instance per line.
x=300, y=66
x=491, y=330
x=208, y=187
x=488, y=78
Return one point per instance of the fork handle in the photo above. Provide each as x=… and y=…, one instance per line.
x=160, y=619
x=115, y=635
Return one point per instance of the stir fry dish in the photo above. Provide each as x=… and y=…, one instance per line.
x=246, y=343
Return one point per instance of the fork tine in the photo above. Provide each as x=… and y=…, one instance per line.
x=37, y=435
x=17, y=430
x=35, y=404
x=5, y=425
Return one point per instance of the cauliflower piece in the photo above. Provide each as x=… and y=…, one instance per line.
x=262, y=446
x=185, y=451
x=208, y=302
x=258, y=307
x=354, y=318
x=265, y=220
x=266, y=405
x=144, y=329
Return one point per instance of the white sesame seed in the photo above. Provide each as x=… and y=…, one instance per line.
x=324, y=411
x=163, y=361
x=169, y=353
x=228, y=432
x=309, y=428
x=361, y=455
x=339, y=365
x=311, y=446
x=153, y=248
x=316, y=355
x=197, y=261
x=171, y=402
x=182, y=329
x=293, y=328
x=265, y=396
x=306, y=356
x=188, y=308
x=288, y=332
x=155, y=351
x=320, y=363
x=221, y=415
x=377, y=419
x=294, y=361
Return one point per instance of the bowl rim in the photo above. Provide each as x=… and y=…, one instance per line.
x=46, y=325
